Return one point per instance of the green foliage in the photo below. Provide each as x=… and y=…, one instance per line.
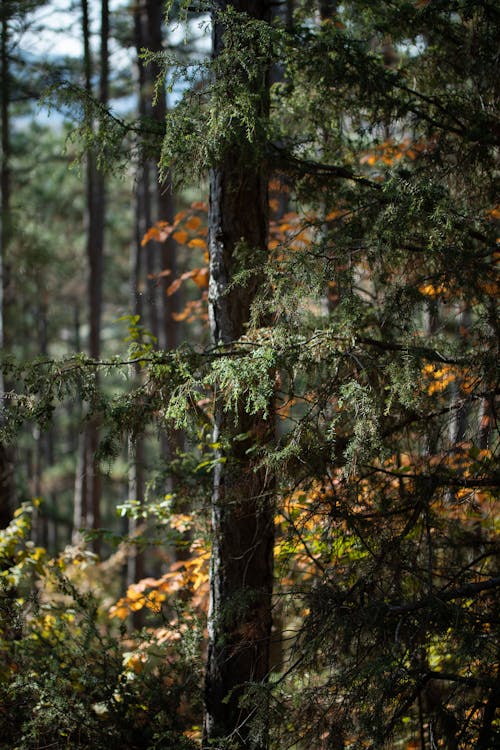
x=378, y=365
x=219, y=109
x=247, y=379
x=67, y=678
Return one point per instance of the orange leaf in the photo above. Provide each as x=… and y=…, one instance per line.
x=201, y=278
x=197, y=242
x=199, y=206
x=159, y=275
x=151, y=234
x=179, y=317
x=177, y=282
x=173, y=287
x=180, y=237
x=193, y=222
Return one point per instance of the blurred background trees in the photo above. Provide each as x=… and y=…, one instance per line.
x=358, y=386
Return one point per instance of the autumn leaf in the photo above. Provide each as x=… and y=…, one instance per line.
x=201, y=278
x=181, y=236
x=173, y=287
x=179, y=317
x=159, y=232
x=198, y=242
x=429, y=290
x=176, y=284
x=160, y=274
x=193, y=223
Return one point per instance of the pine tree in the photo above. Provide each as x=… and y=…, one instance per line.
x=241, y=573
x=352, y=377
x=385, y=133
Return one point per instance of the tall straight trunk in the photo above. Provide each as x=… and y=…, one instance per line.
x=241, y=574
x=6, y=482
x=163, y=202
x=89, y=505
x=144, y=176
x=135, y=559
x=168, y=333
x=158, y=201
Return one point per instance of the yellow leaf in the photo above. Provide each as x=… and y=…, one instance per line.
x=119, y=610
x=429, y=290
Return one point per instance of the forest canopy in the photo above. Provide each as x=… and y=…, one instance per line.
x=249, y=276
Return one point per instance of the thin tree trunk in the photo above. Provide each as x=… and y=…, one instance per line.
x=95, y=219
x=6, y=481
x=135, y=560
x=165, y=208
x=145, y=172
x=168, y=334
x=241, y=575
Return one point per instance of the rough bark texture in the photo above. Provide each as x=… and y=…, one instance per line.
x=241, y=575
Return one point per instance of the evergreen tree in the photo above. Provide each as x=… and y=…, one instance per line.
x=241, y=573
x=351, y=381
x=387, y=134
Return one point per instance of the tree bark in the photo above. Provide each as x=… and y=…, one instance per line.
x=89, y=505
x=241, y=575
x=168, y=333
x=135, y=560
x=6, y=480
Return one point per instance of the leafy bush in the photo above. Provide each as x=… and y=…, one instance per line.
x=69, y=678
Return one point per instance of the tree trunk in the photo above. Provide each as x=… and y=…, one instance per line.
x=241, y=575
x=168, y=333
x=90, y=505
x=165, y=208
x=145, y=173
x=135, y=560
x=6, y=481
